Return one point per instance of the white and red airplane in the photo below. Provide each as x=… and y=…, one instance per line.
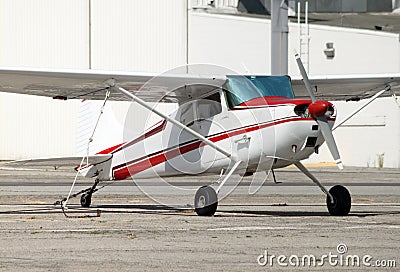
x=224, y=124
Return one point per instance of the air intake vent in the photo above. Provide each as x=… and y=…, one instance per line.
x=311, y=141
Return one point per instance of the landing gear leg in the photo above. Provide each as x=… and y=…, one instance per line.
x=86, y=198
x=338, y=199
x=206, y=198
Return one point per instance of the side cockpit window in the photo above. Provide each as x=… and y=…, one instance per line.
x=200, y=109
x=187, y=114
x=209, y=106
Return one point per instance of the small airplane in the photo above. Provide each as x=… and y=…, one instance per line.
x=225, y=124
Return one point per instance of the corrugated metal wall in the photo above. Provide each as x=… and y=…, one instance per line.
x=130, y=35
x=136, y=35
x=44, y=33
x=49, y=34
x=33, y=127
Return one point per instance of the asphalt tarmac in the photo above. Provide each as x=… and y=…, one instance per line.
x=282, y=227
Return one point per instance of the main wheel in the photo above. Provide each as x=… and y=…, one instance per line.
x=342, y=201
x=205, y=201
x=86, y=200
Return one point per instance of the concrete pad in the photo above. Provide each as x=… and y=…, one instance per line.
x=137, y=233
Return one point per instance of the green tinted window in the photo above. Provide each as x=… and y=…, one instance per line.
x=244, y=88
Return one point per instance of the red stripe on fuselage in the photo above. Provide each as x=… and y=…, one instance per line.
x=131, y=168
x=148, y=162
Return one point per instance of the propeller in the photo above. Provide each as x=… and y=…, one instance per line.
x=319, y=111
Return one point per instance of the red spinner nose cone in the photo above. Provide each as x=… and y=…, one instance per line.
x=318, y=108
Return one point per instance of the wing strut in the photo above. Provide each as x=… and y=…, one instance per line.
x=115, y=86
x=387, y=88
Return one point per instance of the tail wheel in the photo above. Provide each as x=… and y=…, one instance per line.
x=342, y=201
x=86, y=200
x=205, y=201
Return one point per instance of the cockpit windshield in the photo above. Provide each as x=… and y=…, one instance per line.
x=245, y=88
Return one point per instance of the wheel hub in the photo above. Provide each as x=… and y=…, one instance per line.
x=202, y=202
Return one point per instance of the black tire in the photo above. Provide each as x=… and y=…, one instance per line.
x=342, y=201
x=205, y=201
x=86, y=200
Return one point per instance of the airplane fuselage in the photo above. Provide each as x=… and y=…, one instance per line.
x=262, y=133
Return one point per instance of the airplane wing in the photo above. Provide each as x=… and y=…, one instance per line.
x=173, y=87
x=58, y=162
x=90, y=84
x=347, y=87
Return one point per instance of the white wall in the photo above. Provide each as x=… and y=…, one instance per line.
x=238, y=43
x=356, y=51
x=243, y=44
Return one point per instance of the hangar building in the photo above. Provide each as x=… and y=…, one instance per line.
x=158, y=35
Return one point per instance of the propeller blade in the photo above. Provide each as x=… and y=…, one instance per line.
x=305, y=78
x=321, y=120
x=330, y=140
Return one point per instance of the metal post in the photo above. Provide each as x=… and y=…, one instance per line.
x=279, y=37
x=299, y=24
x=90, y=34
x=307, y=37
